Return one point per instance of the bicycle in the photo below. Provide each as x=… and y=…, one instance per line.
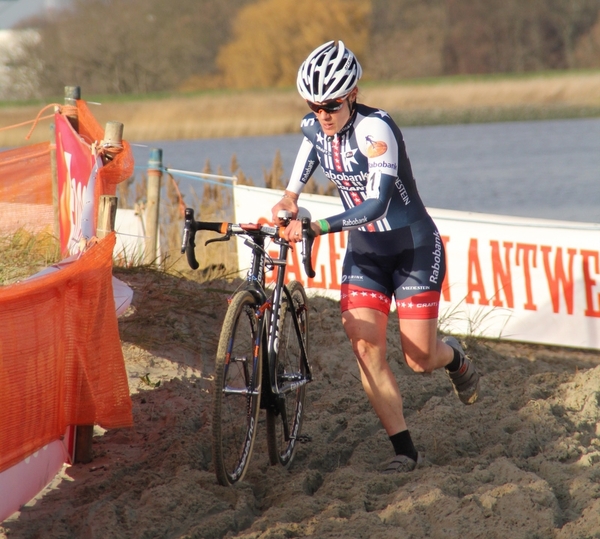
x=262, y=356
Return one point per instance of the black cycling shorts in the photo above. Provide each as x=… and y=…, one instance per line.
x=408, y=263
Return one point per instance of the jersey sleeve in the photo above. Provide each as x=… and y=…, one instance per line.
x=373, y=208
x=377, y=142
x=307, y=159
x=304, y=166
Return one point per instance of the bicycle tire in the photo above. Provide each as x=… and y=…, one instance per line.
x=236, y=399
x=289, y=365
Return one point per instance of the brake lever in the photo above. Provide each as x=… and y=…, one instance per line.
x=226, y=237
x=188, y=243
x=308, y=238
x=185, y=239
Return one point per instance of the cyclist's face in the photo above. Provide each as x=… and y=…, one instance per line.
x=332, y=122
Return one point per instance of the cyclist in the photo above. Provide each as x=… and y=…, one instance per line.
x=394, y=248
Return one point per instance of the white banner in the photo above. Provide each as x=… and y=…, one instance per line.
x=531, y=280
x=22, y=482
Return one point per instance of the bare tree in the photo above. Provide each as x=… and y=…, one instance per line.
x=17, y=78
x=407, y=38
x=129, y=46
x=272, y=38
x=491, y=36
x=141, y=46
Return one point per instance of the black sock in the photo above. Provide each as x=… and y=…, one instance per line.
x=403, y=444
x=456, y=363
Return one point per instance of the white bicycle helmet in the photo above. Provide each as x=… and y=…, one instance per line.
x=331, y=71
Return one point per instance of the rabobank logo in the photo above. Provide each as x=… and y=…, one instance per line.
x=354, y=222
x=437, y=259
x=355, y=179
x=383, y=164
x=307, y=171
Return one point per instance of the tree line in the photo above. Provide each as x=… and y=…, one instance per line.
x=142, y=46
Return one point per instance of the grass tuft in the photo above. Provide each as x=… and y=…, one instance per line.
x=25, y=253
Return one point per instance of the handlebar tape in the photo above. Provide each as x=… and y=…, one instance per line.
x=308, y=238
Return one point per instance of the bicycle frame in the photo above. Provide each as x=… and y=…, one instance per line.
x=271, y=370
x=255, y=282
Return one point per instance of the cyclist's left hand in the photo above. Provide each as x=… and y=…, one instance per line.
x=287, y=204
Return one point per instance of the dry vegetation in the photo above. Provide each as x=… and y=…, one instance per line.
x=268, y=112
x=24, y=254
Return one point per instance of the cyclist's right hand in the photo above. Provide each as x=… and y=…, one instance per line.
x=293, y=232
x=286, y=203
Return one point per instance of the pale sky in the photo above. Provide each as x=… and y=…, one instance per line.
x=13, y=11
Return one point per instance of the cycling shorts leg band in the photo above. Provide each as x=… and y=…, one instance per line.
x=355, y=296
x=423, y=306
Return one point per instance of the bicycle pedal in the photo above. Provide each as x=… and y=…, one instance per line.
x=304, y=438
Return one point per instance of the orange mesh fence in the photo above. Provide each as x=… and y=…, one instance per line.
x=113, y=172
x=89, y=129
x=26, y=177
x=60, y=353
x=117, y=170
x=26, y=188
x=61, y=361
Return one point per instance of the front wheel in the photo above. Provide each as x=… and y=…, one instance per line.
x=284, y=420
x=236, y=389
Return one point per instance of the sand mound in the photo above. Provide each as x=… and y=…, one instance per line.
x=523, y=462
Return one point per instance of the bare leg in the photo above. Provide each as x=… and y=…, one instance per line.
x=366, y=329
x=423, y=351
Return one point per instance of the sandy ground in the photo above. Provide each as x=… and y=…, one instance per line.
x=523, y=462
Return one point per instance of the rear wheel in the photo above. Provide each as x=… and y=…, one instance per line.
x=236, y=390
x=284, y=419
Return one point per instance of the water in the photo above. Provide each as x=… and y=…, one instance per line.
x=545, y=169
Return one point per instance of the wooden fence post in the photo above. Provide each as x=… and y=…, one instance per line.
x=83, y=433
x=107, y=212
x=72, y=94
x=152, y=205
x=55, y=203
x=113, y=139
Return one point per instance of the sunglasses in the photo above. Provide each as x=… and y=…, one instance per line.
x=329, y=106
